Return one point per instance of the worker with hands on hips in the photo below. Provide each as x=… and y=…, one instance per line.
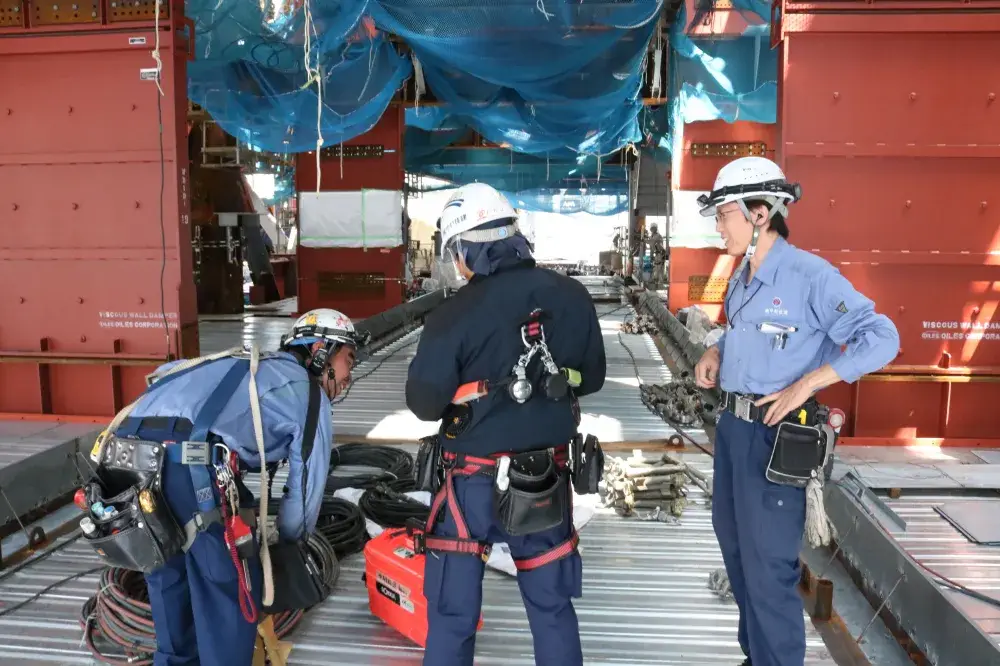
x=789, y=313
x=477, y=335
x=194, y=597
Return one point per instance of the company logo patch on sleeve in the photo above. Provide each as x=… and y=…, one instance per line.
x=842, y=308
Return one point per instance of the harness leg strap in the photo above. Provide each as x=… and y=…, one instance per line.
x=201, y=521
x=463, y=543
x=565, y=549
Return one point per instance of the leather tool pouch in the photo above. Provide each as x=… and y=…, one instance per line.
x=428, y=470
x=143, y=534
x=587, y=464
x=536, y=498
x=800, y=453
x=298, y=579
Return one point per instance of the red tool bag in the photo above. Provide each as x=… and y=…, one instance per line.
x=394, y=575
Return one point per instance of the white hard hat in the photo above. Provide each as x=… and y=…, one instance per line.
x=322, y=324
x=473, y=206
x=750, y=178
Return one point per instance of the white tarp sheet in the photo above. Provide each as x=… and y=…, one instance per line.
x=687, y=227
x=366, y=218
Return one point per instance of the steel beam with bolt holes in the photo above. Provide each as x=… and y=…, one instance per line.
x=920, y=606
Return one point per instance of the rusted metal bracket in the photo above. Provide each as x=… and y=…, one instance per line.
x=741, y=149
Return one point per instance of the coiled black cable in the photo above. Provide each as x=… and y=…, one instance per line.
x=118, y=624
x=388, y=463
x=342, y=524
x=387, y=506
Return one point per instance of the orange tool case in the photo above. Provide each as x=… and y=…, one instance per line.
x=394, y=576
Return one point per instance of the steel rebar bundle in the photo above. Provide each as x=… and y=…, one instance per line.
x=640, y=482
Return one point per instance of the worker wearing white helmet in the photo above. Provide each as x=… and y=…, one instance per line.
x=325, y=342
x=515, y=329
x=789, y=313
x=209, y=580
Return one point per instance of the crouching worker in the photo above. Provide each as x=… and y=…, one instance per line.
x=169, y=500
x=529, y=343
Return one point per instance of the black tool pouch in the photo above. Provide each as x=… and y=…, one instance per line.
x=143, y=534
x=800, y=453
x=536, y=497
x=428, y=471
x=586, y=463
x=298, y=579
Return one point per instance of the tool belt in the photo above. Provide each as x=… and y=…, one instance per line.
x=531, y=496
x=141, y=532
x=586, y=464
x=138, y=531
x=803, y=444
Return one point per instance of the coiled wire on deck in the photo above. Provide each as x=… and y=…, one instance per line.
x=118, y=622
x=387, y=506
x=381, y=463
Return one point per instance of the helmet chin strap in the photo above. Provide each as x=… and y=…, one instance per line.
x=776, y=206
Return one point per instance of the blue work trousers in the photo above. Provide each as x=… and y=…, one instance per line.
x=760, y=526
x=453, y=586
x=195, y=595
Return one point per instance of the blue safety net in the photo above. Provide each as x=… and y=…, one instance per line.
x=579, y=185
x=251, y=71
x=598, y=200
x=731, y=78
x=545, y=77
x=556, y=82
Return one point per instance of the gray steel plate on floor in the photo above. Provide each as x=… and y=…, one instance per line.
x=978, y=520
x=989, y=456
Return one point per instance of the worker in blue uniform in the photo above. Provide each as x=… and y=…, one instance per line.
x=196, y=596
x=479, y=334
x=789, y=313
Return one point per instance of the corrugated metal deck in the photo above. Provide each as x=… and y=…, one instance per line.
x=645, y=595
x=645, y=602
x=935, y=543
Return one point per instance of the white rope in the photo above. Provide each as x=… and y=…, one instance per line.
x=819, y=530
x=419, y=85
x=313, y=75
x=262, y=518
x=718, y=582
x=156, y=47
x=540, y=5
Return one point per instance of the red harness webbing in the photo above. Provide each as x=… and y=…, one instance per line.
x=465, y=465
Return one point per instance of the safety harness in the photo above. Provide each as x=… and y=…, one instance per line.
x=463, y=465
x=208, y=508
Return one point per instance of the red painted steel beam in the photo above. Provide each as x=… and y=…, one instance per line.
x=889, y=117
x=321, y=270
x=96, y=263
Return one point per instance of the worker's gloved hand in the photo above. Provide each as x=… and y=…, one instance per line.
x=706, y=372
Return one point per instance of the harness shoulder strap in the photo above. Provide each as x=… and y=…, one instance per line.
x=309, y=431
x=312, y=419
x=204, y=421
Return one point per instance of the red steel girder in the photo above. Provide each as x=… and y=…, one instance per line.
x=889, y=117
x=96, y=257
